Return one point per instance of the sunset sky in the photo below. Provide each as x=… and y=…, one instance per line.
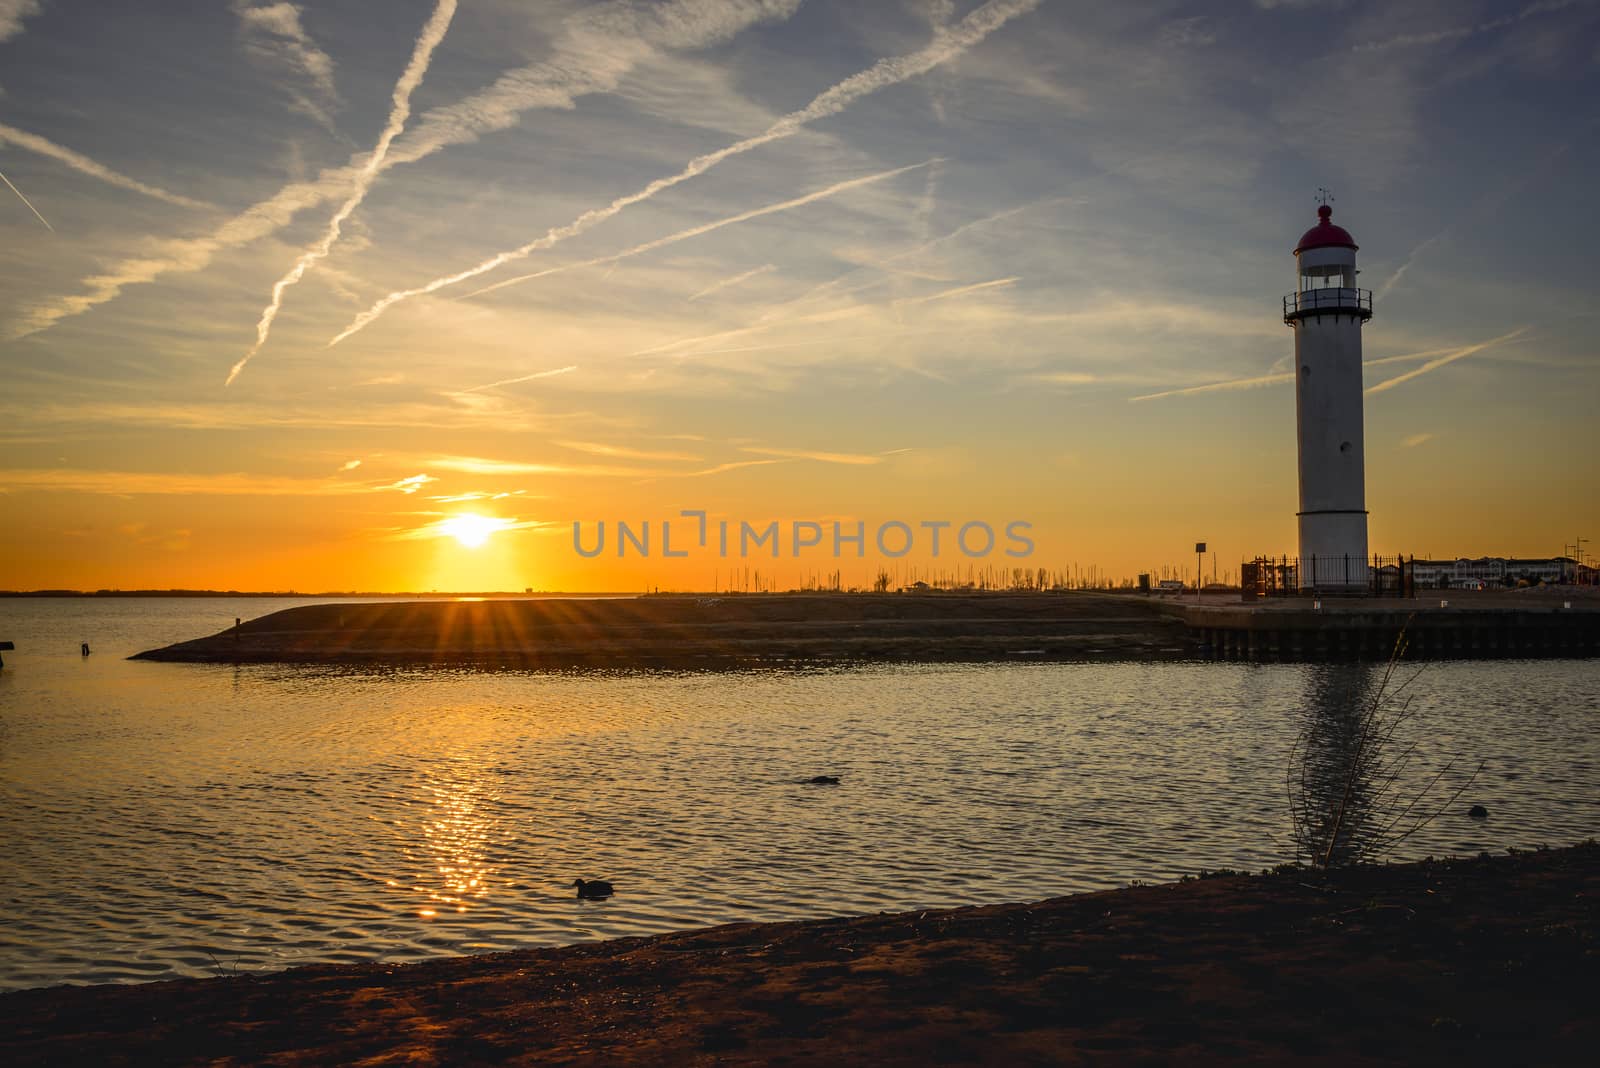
x=777, y=260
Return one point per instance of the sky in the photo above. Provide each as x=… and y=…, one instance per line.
x=391, y=294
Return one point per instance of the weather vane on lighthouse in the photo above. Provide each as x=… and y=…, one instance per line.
x=1324, y=195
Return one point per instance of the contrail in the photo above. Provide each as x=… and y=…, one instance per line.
x=568, y=369
x=1484, y=207
x=706, y=228
x=1400, y=271
x=886, y=72
x=885, y=264
x=10, y=135
x=1543, y=7
x=1213, y=387
x=594, y=52
x=717, y=287
x=399, y=112
x=1452, y=357
x=28, y=202
x=1443, y=356
x=960, y=290
x=822, y=287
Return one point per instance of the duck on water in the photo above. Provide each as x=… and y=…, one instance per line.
x=594, y=889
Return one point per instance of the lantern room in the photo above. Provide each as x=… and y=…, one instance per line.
x=1325, y=268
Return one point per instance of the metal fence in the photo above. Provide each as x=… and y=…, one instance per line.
x=1327, y=576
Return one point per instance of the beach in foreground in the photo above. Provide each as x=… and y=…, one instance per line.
x=1489, y=960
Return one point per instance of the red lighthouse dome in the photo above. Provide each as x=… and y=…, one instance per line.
x=1325, y=234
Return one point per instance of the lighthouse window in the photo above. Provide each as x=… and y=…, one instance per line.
x=1344, y=446
x=1329, y=276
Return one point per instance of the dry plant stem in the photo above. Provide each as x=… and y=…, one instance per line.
x=1338, y=831
x=1367, y=725
x=1389, y=843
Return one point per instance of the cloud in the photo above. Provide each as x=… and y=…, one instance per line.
x=1065, y=378
x=275, y=40
x=350, y=465
x=140, y=483
x=478, y=465
x=399, y=111
x=705, y=228
x=473, y=527
x=1413, y=440
x=946, y=46
x=462, y=498
x=717, y=287
x=855, y=459
x=622, y=452
x=594, y=50
x=12, y=12
x=408, y=485
x=10, y=135
x=733, y=466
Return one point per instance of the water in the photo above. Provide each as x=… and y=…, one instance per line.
x=164, y=820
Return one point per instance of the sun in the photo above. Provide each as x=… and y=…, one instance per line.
x=470, y=529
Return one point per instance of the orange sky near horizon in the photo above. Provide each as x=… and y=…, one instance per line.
x=999, y=261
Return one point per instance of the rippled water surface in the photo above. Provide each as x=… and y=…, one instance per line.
x=159, y=820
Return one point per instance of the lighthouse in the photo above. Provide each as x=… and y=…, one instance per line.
x=1326, y=312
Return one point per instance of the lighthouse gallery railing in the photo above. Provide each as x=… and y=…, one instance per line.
x=1307, y=301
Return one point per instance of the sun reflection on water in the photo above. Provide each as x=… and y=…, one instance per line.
x=452, y=856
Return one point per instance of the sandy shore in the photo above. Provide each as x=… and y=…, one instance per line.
x=705, y=632
x=1487, y=961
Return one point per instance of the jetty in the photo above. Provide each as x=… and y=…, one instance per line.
x=754, y=630
x=1446, y=626
x=710, y=632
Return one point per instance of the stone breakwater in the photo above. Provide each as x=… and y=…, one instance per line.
x=705, y=631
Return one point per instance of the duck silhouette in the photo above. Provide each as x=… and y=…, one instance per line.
x=594, y=889
x=823, y=780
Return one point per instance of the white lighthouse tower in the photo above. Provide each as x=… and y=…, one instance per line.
x=1326, y=312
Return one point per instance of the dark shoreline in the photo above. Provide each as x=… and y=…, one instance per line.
x=1470, y=961
x=705, y=631
x=711, y=632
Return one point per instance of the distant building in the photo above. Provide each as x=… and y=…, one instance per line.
x=1494, y=572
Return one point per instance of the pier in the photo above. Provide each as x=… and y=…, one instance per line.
x=1446, y=628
